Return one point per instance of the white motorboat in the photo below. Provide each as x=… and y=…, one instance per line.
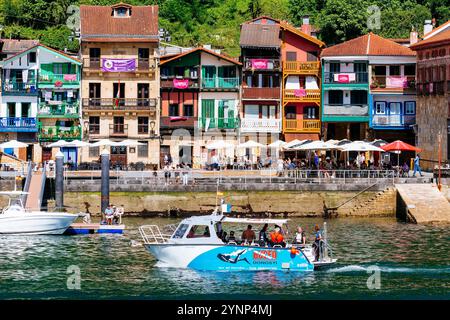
x=14, y=219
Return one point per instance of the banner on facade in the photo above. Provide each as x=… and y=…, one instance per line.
x=300, y=93
x=181, y=83
x=344, y=77
x=70, y=77
x=396, y=82
x=260, y=63
x=118, y=65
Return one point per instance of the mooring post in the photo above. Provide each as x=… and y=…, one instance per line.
x=105, y=179
x=59, y=181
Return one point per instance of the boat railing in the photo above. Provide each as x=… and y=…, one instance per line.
x=151, y=234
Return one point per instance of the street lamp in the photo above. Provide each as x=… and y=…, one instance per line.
x=439, y=160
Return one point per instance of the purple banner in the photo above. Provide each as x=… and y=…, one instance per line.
x=396, y=82
x=118, y=65
x=260, y=64
x=181, y=83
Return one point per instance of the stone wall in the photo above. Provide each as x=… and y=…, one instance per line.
x=382, y=203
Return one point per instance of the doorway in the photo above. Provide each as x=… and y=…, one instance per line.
x=46, y=154
x=164, y=150
x=185, y=154
x=118, y=156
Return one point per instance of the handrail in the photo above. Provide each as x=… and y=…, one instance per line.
x=41, y=192
x=26, y=187
x=151, y=234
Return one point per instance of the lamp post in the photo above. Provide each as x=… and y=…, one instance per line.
x=439, y=160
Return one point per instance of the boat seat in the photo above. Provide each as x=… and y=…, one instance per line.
x=277, y=246
x=232, y=242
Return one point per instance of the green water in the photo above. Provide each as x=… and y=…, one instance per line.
x=414, y=263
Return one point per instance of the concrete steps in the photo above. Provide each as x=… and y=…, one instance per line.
x=424, y=203
x=33, y=201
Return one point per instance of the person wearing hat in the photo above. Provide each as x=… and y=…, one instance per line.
x=276, y=238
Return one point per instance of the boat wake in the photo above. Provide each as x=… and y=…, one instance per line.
x=370, y=268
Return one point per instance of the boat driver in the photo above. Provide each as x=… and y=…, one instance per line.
x=276, y=238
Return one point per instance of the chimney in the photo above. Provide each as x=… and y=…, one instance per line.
x=413, y=37
x=306, y=27
x=428, y=27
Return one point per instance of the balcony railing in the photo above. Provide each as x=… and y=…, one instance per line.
x=298, y=67
x=55, y=133
x=20, y=88
x=346, y=110
x=141, y=64
x=345, y=77
x=68, y=110
x=302, y=95
x=55, y=79
x=118, y=130
x=218, y=123
x=301, y=125
x=168, y=82
x=15, y=124
x=177, y=122
x=393, y=120
x=222, y=83
x=118, y=104
x=260, y=125
x=262, y=64
x=387, y=82
x=261, y=93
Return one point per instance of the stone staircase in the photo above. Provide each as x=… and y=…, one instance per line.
x=379, y=204
x=423, y=203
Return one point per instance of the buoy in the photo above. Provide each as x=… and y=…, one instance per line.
x=294, y=250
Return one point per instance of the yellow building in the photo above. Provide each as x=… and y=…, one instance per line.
x=120, y=87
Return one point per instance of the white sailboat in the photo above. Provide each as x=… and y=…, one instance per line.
x=14, y=219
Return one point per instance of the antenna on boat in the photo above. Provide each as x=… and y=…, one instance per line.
x=324, y=236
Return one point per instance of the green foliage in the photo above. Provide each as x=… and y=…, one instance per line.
x=217, y=22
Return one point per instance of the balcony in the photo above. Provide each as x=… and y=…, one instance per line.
x=218, y=123
x=298, y=67
x=301, y=95
x=260, y=125
x=393, y=83
x=346, y=110
x=59, y=80
x=393, y=120
x=13, y=88
x=134, y=65
x=177, y=122
x=55, y=133
x=60, y=110
x=301, y=125
x=220, y=83
x=344, y=78
x=261, y=93
x=125, y=104
x=167, y=82
x=13, y=124
x=262, y=64
x=118, y=130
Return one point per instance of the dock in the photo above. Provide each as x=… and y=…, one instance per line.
x=92, y=228
x=422, y=203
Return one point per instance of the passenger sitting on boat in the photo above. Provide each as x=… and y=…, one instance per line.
x=224, y=236
x=109, y=214
x=248, y=235
x=263, y=239
x=317, y=243
x=276, y=238
x=206, y=233
x=191, y=233
x=300, y=237
x=231, y=237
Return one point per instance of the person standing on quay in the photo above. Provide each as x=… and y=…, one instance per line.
x=417, y=166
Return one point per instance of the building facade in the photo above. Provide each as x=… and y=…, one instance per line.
x=120, y=88
x=200, y=95
x=433, y=95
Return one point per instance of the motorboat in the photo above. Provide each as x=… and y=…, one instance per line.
x=196, y=243
x=15, y=219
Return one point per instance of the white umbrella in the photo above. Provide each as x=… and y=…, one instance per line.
x=251, y=144
x=219, y=144
x=12, y=144
x=360, y=146
x=104, y=142
x=129, y=143
x=317, y=145
x=59, y=143
x=69, y=144
x=293, y=143
x=277, y=144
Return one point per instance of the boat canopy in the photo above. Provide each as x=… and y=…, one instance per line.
x=13, y=193
x=255, y=221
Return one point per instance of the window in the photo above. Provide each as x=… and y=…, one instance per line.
x=358, y=97
x=335, y=67
x=119, y=126
x=394, y=70
x=142, y=125
x=32, y=57
x=143, y=149
x=380, y=70
x=410, y=70
x=94, y=152
x=291, y=56
x=312, y=56
x=58, y=68
x=380, y=107
x=94, y=125
x=310, y=113
x=291, y=112
x=188, y=110
x=94, y=90
x=94, y=53
x=143, y=53
x=121, y=12
x=199, y=231
x=395, y=108
x=410, y=107
x=227, y=72
x=335, y=97
x=173, y=110
x=179, y=233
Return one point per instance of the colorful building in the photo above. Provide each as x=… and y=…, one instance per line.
x=200, y=94
x=433, y=95
x=368, y=90
x=41, y=95
x=281, y=81
x=120, y=88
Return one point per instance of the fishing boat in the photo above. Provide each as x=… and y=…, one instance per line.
x=15, y=219
x=196, y=243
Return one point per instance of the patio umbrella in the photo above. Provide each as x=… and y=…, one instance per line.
x=399, y=146
x=104, y=142
x=360, y=146
x=12, y=144
x=317, y=145
x=219, y=144
x=379, y=142
x=129, y=143
x=292, y=143
x=251, y=144
x=277, y=144
x=69, y=144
